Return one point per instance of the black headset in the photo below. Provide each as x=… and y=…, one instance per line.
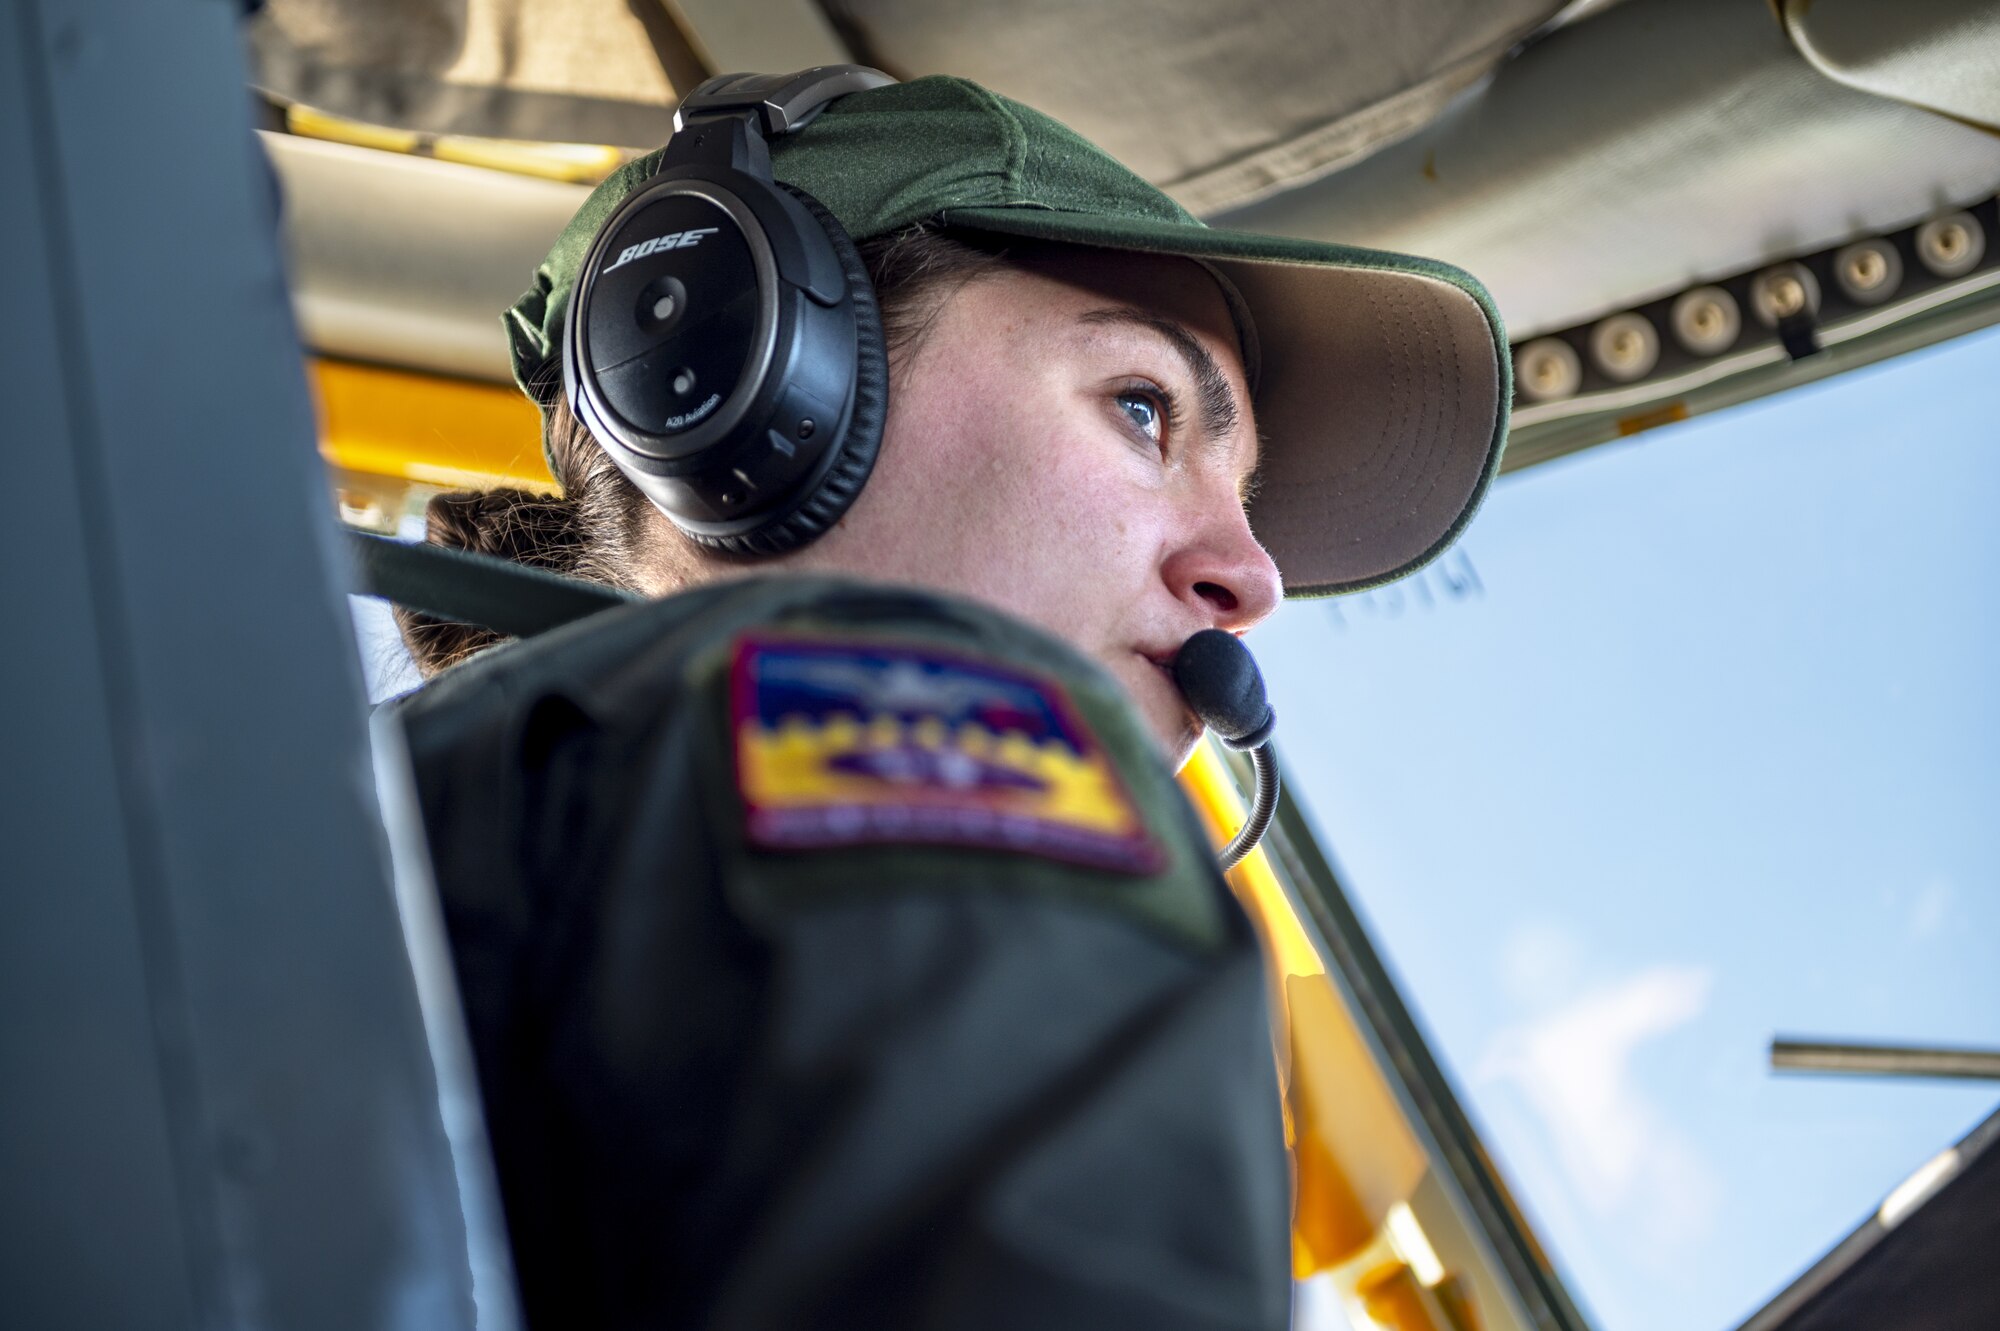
x=723, y=343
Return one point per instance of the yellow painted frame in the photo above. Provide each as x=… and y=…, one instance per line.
x=399, y=425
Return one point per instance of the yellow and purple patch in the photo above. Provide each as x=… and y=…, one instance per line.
x=842, y=743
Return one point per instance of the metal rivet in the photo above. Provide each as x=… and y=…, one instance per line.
x=1625, y=347
x=1952, y=245
x=1547, y=369
x=1706, y=321
x=806, y=428
x=1869, y=271
x=1788, y=296
x=1783, y=291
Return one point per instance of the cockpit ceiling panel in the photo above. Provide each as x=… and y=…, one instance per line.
x=558, y=71
x=1655, y=147
x=1215, y=103
x=408, y=261
x=1942, y=55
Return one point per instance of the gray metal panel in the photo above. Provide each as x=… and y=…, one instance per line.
x=84, y=1152
x=219, y=1108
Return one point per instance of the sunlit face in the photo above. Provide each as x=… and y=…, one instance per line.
x=1072, y=443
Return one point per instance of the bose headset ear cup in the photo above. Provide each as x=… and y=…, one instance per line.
x=723, y=342
x=855, y=450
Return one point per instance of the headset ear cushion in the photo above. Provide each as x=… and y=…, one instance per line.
x=855, y=450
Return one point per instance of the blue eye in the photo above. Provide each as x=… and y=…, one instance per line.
x=1144, y=412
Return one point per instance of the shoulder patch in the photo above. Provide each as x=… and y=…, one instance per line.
x=846, y=743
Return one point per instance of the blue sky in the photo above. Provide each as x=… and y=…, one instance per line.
x=1693, y=741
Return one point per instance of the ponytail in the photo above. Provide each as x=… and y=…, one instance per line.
x=593, y=528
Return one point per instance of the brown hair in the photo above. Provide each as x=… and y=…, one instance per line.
x=598, y=525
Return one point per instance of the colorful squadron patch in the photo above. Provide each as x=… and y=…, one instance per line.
x=843, y=744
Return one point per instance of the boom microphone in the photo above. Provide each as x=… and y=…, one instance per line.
x=1217, y=675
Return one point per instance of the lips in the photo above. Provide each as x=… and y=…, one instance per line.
x=1164, y=663
x=1175, y=725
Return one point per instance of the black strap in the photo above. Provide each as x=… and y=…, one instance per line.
x=498, y=594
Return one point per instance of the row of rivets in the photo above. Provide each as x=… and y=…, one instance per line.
x=1707, y=321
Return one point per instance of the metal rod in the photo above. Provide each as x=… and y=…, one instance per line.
x=1884, y=1060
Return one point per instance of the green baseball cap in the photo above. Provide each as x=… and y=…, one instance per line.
x=1383, y=382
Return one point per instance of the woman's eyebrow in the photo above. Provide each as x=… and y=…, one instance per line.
x=1214, y=395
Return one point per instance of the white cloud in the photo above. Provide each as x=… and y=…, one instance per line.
x=1621, y=1155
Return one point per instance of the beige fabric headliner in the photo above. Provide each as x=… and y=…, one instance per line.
x=571, y=71
x=1217, y=103
x=409, y=261
x=1943, y=55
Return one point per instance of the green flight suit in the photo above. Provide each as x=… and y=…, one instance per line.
x=900, y=1065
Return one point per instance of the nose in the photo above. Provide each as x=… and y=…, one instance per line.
x=1221, y=571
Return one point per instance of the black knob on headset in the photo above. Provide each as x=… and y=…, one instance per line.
x=1216, y=674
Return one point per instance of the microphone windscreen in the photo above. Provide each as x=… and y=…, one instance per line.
x=1217, y=675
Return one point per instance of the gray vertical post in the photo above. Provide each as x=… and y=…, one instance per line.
x=216, y=1106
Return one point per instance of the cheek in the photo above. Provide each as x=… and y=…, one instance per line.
x=965, y=453
x=956, y=492
x=1082, y=524
x=996, y=483
x=978, y=463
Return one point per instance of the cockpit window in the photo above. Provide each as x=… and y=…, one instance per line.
x=1693, y=742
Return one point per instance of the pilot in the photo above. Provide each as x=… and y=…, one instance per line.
x=836, y=945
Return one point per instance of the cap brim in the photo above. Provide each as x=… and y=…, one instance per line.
x=1382, y=398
